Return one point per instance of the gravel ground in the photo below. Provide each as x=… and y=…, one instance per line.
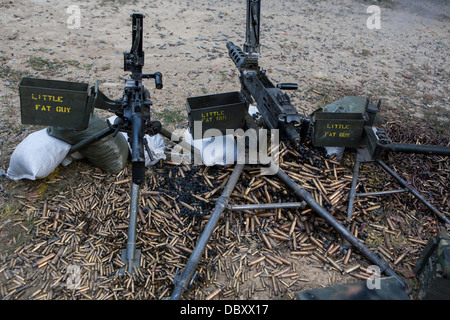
x=324, y=46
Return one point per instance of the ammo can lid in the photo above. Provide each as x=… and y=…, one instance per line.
x=54, y=84
x=350, y=104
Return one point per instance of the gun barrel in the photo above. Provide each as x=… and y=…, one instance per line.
x=252, y=29
x=158, y=80
x=230, y=44
x=236, y=54
x=137, y=149
x=291, y=133
x=416, y=148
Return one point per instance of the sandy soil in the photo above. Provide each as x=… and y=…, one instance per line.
x=324, y=46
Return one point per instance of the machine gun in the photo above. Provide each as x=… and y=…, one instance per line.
x=133, y=110
x=278, y=113
x=133, y=117
x=274, y=105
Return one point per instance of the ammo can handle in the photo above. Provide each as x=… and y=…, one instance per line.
x=287, y=86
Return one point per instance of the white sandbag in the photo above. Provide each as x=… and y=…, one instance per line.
x=70, y=157
x=37, y=156
x=157, y=149
x=156, y=146
x=216, y=150
x=219, y=150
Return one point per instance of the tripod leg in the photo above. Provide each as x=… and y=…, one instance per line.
x=353, y=189
x=91, y=139
x=413, y=191
x=301, y=193
x=147, y=148
x=132, y=256
x=181, y=282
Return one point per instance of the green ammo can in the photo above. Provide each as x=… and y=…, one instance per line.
x=217, y=111
x=340, y=124
x=54, y=103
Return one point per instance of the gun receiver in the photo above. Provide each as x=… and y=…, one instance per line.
x=133, y=109
x=274, y=105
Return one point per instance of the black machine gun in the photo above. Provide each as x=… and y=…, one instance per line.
x=134, y=113
x=133, y=110
x=274, y=105
x=133, y=117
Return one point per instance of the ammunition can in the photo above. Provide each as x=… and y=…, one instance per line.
x=335, y=129
x=217, y=111
x=54, y=103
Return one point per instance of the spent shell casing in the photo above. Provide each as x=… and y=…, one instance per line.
x=401, y=257
x=351, y=269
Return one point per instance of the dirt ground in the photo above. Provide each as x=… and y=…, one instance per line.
x=324, y=46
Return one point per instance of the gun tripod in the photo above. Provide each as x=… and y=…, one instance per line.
x=131, y=255
x=182, y=281
x=364, y=156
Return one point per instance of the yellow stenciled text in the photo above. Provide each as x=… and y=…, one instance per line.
x=46, y=97
x=217, y=115
x=41, y=107
x=338, y=126
x=63, y=109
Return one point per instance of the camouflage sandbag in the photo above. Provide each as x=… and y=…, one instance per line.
x=444, y=254
x=109, y=153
